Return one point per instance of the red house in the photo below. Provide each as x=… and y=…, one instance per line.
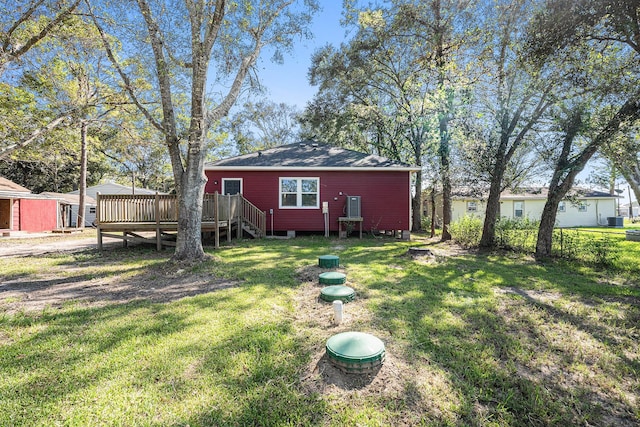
x=20, y=210
x=315, y=187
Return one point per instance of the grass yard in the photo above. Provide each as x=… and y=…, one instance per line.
x=125, y=339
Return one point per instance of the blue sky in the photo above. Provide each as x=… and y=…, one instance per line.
x=288, y=82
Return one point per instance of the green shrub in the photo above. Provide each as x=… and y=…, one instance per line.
x=467, y=231
x=517, y=234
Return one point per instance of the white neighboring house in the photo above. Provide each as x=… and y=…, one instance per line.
x=624, y=209
x=588, y=209
x=69, y=204
x=106, y=188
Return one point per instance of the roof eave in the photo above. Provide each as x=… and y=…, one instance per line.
x=315, y=168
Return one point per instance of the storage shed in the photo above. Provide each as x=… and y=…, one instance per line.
x=20, y=210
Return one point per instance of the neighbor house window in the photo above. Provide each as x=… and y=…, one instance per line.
x=472, y=206
x=582, y=207
x=92, y=210
x=299, y=192
x=562, y=207
x=518, y=209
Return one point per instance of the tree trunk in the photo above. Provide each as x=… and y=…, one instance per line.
x=416, y=204
x=433, y=211
x=191, y=194
x=446, y=203
x=633, y=179
x=83, y=176
x=492, y=214
x=189, y=241
x=547, y=224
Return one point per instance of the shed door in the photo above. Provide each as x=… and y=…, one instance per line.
x=231, y=186
x=5, y=213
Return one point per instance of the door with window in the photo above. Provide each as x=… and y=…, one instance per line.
x=231, y=186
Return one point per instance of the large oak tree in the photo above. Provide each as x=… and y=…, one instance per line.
x=202, y=50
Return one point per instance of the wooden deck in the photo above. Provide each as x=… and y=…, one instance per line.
x=133, y=215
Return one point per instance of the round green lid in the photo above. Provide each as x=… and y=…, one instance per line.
x=328, y=261
x=337, y=292
x=332, y=278
x=355, y=347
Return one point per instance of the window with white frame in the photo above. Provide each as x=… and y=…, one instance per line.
x=582, y=207
x=518, y=209
x=299, y=193
x=472, y=206
x=231, y=186
x=562, y=207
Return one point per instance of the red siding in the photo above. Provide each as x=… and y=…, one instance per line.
x=16, y=215
x=385, y=197
x=37, y=215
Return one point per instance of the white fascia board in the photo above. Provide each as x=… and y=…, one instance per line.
x=311, y=169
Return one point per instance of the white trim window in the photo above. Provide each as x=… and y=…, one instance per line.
x=518, y=209
x=582, y=207
x=231, y=186
x=472, y=206
x=299, y=193
x=562, y=206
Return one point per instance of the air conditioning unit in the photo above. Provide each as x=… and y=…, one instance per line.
x=353, y=207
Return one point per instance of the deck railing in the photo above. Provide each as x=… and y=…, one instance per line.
x=163, y=208
x=254, y=216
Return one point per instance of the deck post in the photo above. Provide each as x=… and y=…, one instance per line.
x=98, y=221
x=215, y=220
x=240, y=206
x=228, y=217
x=157, y=215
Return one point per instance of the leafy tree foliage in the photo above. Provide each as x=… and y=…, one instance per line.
x=390, y=89
x=624, y=153
x=54, y=164
x=261, y=125
x=597, y=43
x=26, y=23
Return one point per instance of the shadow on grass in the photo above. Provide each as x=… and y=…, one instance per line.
x=215, y=359
x=453, y=321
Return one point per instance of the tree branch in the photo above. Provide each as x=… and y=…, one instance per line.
x=34, y=135
x=125, y=78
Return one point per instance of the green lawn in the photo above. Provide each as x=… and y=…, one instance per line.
x=471, y=340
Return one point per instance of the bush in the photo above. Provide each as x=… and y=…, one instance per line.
x=467, y=231
x=517, y=234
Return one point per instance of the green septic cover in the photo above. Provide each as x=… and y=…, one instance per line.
x=328, y=261
x=355, y=347
x=337, y=292
x=332, y=278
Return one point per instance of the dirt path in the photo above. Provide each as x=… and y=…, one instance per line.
x=40, y=247
x=89, y=283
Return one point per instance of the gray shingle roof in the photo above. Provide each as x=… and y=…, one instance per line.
x=307, y=154
x=530, y=193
